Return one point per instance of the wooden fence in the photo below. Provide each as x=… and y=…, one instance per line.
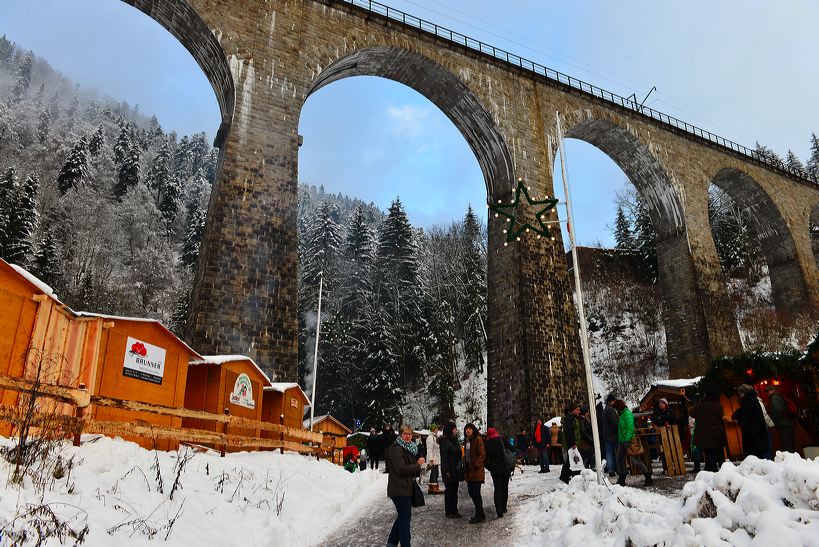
x=289, y=438
x=666, y=440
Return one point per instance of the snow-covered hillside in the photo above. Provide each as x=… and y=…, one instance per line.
x=127, y=495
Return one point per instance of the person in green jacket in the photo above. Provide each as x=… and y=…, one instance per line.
x=625, y=433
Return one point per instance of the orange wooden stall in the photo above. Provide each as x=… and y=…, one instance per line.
x=283, y=403
x=141, y=360
x=219, y=382
x=32, y=318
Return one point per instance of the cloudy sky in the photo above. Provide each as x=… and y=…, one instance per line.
x=745, y=69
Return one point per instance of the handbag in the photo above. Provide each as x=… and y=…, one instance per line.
x=575, y=459
x=417, y=495
x=635, y=448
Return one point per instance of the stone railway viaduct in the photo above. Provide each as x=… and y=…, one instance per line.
x=265, y=57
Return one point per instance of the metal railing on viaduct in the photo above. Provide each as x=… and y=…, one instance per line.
x=584, y=87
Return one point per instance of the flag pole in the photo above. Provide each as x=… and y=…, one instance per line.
x=315, y=353
x=584, y=337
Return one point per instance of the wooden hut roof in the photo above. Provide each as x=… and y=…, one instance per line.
x=668, y=387
x=282, y=387
x=141, y=320
x=219, y=360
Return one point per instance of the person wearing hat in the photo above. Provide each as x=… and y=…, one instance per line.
x=750, y=419
x=610, y=419
x=571, y=438
x=709, y=433
x=782, y=419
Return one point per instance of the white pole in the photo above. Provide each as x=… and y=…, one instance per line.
x=315, y=353
x=584, y=337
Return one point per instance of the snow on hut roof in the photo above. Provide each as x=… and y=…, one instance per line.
x=317, y=419
x=222, y=359
x=34, y=280
x=139, y=320
x=554, y=421
x=282, y=387
x=681, y=382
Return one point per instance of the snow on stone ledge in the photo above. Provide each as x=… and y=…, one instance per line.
x=682, y=382
x=758, y=501
x=34, y=280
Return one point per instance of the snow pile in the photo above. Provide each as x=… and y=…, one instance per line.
x=758, y=501
x=256, y=498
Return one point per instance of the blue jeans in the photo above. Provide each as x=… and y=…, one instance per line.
x=611, y=456
x=400, y=532
x=543, y=453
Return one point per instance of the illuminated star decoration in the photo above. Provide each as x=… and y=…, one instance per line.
x=517, y=226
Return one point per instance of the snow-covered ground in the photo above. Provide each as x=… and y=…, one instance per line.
x=757, y=502
x=114, y=490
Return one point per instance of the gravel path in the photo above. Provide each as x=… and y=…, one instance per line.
x=430, y=527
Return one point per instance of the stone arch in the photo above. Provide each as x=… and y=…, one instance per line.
x=687, y=324
x=444, y=90
x=788, y=286
x=185, y=24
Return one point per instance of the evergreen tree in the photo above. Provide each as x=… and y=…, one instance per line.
x=766, y=154
x=193, y=240
x=474, y=300
x=124, y=144
x=322, y=248
x=793, y=162
x=624, y=240
x=8, y=203
x=159, y=174
x=43, y=126
x=355, y=287
x=396, y=261
x=20, y=88
x=22, y=221
x=170, y=199
x=128, y=175
x=179, y=319
x=73, y=107
x=97, y=141
x=645, y=238
x=75, y=167
x=47, y=263
x=813, y=161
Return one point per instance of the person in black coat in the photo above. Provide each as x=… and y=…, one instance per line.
x=450, y=457
x=541, y=439
x=388, y=437
x=496, y=464
x=374, y=448
x=752, y=422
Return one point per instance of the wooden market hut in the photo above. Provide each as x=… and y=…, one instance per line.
x=37, y=331
x=674, y=391
x=334, y=433
x=283, y=403
x=225, y=382
x=140, y=360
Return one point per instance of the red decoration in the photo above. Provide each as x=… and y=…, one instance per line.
x=139, y=349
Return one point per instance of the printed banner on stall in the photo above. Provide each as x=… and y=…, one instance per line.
x=242, y=393
x=144, y=361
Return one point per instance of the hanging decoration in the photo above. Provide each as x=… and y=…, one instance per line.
x=516, y=216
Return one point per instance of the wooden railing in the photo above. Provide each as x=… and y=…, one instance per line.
x=289, y=438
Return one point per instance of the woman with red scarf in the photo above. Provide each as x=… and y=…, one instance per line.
x=540, y=440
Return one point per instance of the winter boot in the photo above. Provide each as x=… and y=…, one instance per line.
x=434, y=489
x=649, y=480
x=621, y=480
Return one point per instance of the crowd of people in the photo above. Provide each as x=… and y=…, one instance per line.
x=452, y=458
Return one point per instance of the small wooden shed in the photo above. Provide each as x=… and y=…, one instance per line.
x=140, y=360
x=334, y=433
x=219, y=382
x=283, y=403
x=36, y=327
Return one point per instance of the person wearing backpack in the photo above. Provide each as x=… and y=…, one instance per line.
x=499, y=469
x=783, y=413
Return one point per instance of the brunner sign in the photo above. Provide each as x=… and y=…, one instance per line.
x=144, y=361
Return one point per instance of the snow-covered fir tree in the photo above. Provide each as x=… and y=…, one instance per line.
x=46, y=263
x=128, y=174
x=74, y=168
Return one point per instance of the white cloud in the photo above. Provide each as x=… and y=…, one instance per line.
x=409, y=120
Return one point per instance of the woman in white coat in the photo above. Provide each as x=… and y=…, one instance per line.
x=433, y=459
